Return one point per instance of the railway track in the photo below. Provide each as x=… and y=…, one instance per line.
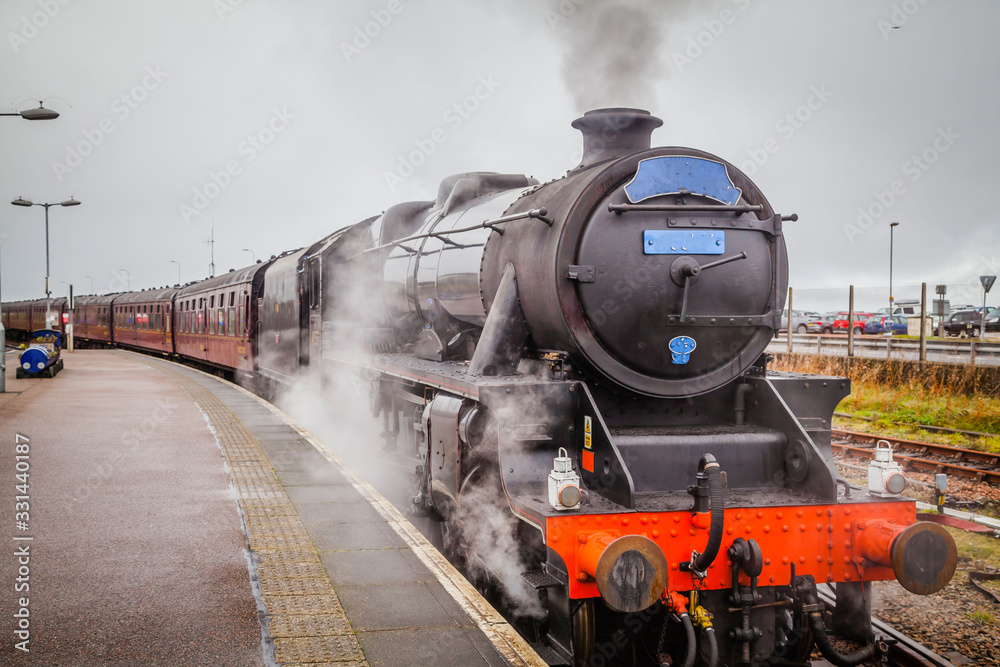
x=903, y=651
x=923, y=456
x=923, y=427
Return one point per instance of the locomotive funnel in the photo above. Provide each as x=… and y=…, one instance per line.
x=630, y=571
x=611, y=133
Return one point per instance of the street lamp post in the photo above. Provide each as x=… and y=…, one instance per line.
x=174, y=261
x=3, y=339
x=253, y=257
x=48, y=293
x=41, y=113
x=892, y=228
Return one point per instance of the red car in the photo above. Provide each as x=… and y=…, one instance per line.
x=840, y=324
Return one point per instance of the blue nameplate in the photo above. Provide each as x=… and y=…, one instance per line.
x=672, y=175
x=683, y=242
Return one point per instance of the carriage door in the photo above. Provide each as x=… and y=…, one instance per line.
x=315, y=301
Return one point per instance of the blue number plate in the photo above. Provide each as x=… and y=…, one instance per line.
x=683, y=242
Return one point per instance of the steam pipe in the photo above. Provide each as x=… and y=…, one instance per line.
x=713, y=647
x=741, y=402
x=812, y=607
x=832, y=654
x=699, y=562
x=692, y=642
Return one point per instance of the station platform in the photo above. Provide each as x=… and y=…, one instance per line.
x=176, y=519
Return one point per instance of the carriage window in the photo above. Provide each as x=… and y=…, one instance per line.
x=243, y=327
x=231, y=329
x=221, y=321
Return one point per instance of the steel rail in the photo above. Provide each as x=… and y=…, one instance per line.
x=926, y=465
x=984, y=465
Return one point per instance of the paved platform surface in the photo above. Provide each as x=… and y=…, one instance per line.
x=157, y=485
x=136, y=550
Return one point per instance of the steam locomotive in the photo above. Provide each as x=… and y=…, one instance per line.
x=587, y=355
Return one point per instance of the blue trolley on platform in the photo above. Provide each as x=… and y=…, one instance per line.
x=41, y=357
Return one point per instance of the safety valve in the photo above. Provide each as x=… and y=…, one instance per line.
x=885, y=477
x=564, y=483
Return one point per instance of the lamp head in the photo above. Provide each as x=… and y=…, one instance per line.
x=70, y=202
x=21, y=202
x=41, y=113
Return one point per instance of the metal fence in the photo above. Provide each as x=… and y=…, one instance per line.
x=869, y=299
x=931, y=300
x=885, y=347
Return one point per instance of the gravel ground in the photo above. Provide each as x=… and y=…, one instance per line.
x=959, y=623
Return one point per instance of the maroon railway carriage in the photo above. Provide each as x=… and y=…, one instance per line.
x=17, y=318
x=143, y=319
x=214, y=319
x=57, y=308
x=20, y=318
x=92, y=319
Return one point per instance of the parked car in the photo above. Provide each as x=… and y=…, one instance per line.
x=822, y=324
x=993, y=320
x=904, y=308
x=840, y=323
x=800, y=322
x=964, y=323
x=811, y=315
x=880, y=324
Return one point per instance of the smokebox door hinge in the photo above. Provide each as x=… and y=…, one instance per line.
x=584, y=274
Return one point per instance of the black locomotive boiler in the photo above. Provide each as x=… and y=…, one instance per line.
x=591, y=352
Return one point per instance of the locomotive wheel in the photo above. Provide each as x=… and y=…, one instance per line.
x=584, y=634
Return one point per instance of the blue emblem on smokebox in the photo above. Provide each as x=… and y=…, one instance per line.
x=681, y=349
x=672, y=175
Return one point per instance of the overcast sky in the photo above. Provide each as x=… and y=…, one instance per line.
x=283, y=121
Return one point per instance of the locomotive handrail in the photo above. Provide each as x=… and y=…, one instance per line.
x=739, y=208
x=536, y=213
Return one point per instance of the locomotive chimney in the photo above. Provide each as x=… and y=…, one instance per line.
x=611, y=133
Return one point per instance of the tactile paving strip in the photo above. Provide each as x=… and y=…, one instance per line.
x=305, y=618
x=331, y=648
